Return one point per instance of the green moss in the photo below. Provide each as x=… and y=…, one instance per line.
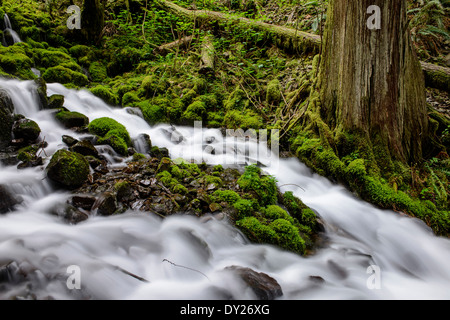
x=256, y=231
x=130, y=98
x=72, y=119
x=264, y=186
x=70, y=169
x=213, y=180
x=175, y=110
x=153, y=113
x=229, y=196
x=27, y=153
x=153, y=86
x=111, y=132
x=14, y=61
x=65, y=76
x=273, y=93
x=51, y=57
x=236, y=119
x=79, y=50
x=98, y=72
x=244, y=207
x=288, y=236
x=237, y=100
x=179, y=188
x=274, y=212
x=105, y=94
x=138, y=156
x=196, y=111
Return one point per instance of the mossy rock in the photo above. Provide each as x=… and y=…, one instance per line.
x=153, y=112
x=65, y=76
x=14, y=60
x=98, y=72
x=111, y=132
x=26, y=129
x=71, y=119
x=196, y=111
x=51, y=57
x=56, y=101
x=106, y=95
x=69, y=169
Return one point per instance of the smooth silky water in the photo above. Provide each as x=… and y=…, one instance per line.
x=413, y=262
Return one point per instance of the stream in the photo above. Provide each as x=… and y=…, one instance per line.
x=368, y=253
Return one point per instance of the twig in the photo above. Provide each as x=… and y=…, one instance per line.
x=292, y=184
x=177, y=265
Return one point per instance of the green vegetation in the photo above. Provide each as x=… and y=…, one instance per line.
x=111, y=132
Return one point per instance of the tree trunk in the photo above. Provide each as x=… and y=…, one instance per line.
x=371, y=80
x=92, y=20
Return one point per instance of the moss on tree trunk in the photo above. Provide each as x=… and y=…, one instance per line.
x=370, y=80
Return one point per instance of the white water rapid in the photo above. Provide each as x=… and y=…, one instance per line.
x=410, y=261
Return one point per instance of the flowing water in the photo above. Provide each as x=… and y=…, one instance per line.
x=8, y=29
x=410, y=262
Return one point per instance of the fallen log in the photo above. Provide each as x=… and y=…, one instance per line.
x=284, y=37
x=168, y=47
x=291, y=39
x=436, y=76
x=207, y=55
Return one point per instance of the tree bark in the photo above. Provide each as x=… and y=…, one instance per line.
x=371, y=80
x=291, y=39
x=92, y=20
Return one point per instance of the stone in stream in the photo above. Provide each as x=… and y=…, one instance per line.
x=26, y=129
x=6, y=118
x=7, y=200
x=69, y=169
x=105, y=205
x=84, y=147
x=264, y=286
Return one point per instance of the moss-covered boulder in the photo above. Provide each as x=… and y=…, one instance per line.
x=71, y=119
x=69, y=169
x=65, y=75
x=26, y=129
x=56, y=101
x=112, y=133
x=105, y=94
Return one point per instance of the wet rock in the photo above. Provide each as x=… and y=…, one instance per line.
x=56, y=101
x=7, y=200
x=264, y=286
x=159, y=152
x=72, y=120
x=85, y=202
x=73, y=215
x=6, y=119
x=69, y=141
x=10, y=273
x=106, y=204
x=85, y=147
x=41, y=92
x=30, y=163
x=69, y=169
x=26, y=129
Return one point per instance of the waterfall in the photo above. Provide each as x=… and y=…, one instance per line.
x=9, y=31
x=360, y=239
